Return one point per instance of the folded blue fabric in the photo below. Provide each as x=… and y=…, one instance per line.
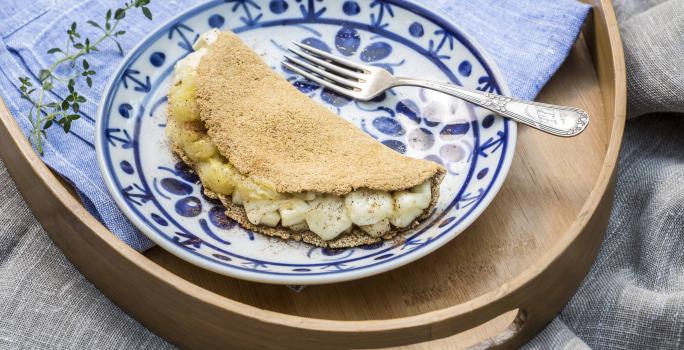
x=528, y=40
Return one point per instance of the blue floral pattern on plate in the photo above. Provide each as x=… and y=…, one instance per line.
x=163, y=197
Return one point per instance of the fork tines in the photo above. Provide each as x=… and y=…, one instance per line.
x=335, y=73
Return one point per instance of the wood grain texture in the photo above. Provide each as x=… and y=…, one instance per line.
x=529, y=250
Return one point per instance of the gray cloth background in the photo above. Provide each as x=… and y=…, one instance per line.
x=633, y=298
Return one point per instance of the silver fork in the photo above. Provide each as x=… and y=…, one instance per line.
x=364, y=82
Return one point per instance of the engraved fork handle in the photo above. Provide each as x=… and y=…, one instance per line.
x=553, y=119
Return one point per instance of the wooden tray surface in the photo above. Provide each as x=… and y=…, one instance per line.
x=520, y=261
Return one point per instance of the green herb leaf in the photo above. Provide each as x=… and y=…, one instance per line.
x=54, y=50
x=119, y=14
x=146, y=11
x=66, y=126
x=43, y=75
x=94, y=24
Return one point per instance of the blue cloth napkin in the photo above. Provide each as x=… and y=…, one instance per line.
x=528, y=39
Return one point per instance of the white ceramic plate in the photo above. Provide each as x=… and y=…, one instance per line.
x=163, y=198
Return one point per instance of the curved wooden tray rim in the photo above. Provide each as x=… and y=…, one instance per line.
x=455, y=318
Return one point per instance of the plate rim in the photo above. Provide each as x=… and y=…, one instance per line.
x=436, y=16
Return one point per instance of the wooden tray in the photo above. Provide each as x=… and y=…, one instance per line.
x=497, y=284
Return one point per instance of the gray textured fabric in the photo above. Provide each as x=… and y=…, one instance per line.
x=652, y=32
x=45, y=303
x=633, y=298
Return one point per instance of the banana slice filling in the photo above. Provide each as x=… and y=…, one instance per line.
x=328, y=216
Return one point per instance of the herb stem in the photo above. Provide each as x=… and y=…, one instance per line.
x=38, y=122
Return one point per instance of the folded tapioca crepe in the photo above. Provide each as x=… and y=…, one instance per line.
x=282, y=164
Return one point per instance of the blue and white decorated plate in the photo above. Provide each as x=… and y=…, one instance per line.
x=164, y=199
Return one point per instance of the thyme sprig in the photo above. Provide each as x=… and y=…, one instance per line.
x=46, y=112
